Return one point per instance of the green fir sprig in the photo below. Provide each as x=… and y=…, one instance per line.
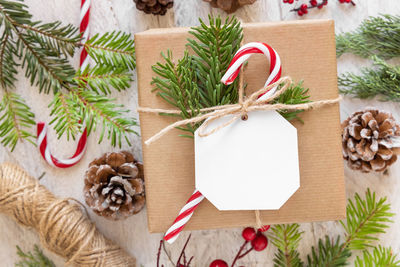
x=43, y=51
x=381, y=80
x=380, y=256
x=366, y=217
x=33, y=259
x=378, y=36
x=286, y=237
x=295, y=94
x=194, y=81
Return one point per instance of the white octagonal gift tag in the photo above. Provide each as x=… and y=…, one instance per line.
x=248, y=165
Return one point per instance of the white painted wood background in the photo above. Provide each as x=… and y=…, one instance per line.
x=132, y=234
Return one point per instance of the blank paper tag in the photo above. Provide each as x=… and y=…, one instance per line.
x=248, y=165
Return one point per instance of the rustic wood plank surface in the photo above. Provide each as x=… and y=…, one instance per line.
x=132, y=233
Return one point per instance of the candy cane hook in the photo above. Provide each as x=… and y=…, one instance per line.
x=239, y=58
x=42, y=127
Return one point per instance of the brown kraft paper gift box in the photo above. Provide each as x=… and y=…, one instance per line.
x=307, y=50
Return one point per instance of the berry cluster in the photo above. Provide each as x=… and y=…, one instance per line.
x=303, y=9
x=257, y=240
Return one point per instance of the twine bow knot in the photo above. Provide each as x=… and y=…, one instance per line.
x=238, y=110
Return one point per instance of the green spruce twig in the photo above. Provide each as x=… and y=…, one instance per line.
x=382, y=80
x=328, y=253
x=378, y=36
x=33, y=259
x=366, y=217
x=15, y=121
x=380, y=256
x=43, y=50
x=295, y=94
x=286, y=237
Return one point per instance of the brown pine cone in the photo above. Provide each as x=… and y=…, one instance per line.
x=114, y=186
x=229, y=6
x=370, y=140
x=155, y=7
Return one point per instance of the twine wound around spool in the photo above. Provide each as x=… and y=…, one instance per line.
x=62, y=227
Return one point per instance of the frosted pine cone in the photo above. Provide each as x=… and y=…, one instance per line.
x=370, y=139
x=229, y=6
x=114, y=186
x=155, y=7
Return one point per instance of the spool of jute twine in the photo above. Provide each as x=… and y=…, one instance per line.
x=62, y=226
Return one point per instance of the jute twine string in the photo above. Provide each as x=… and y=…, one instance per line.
x=62, y=226
x=236, y=110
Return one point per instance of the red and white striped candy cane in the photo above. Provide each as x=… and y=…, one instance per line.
x=184, y=216
x=84, y=29
x=42, y=127
x=239, y=58
x=50, y=159
x=244, y=53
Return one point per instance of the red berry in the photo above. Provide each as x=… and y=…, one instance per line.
x=314, y=2
x=300, y=13
x=325, y=2
x=290, y=1
x=285, y=1
x=260, y=242
x=320, y=6
x=341, y=1
x=219, y=263
x=303, y=7
x=347, y=1
x=249, y=233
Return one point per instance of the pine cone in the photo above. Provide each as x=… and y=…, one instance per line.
x=229, y=6
x=114, y=186
x=370, y=140
x=155, y=7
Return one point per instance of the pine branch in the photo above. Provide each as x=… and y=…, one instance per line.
x=286, y=237
x=44, y=49
x=115, y=49
x=16, y=119
x=101, y=78
x=364, y=219
x=381, y=80
x=66, y=116
x=328, y=253
x=380, y=256
x=378, y=36
x=13, y=12
x=295, y=94
x=8, y=64
x=194, y=82
x=33, y=259
x=177, y=85
x=93, y=109
x=214, y=47
x=61, y=40
x=43, y=66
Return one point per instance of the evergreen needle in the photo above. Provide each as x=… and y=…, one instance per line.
x=378, y=36
x=33, y=259
x=381, y=80
x=43, y=51
x=366, y=217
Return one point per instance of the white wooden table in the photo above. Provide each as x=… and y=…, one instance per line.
x=132, y=233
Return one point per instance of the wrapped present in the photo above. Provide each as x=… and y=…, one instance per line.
x=307, y=52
